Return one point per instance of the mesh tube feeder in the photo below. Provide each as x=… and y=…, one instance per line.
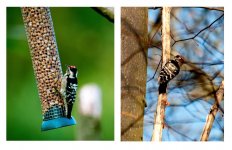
x=47, y=66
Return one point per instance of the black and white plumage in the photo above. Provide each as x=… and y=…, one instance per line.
x=69, y=88
x=169, y=71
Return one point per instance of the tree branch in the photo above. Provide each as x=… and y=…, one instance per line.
x=193, y=37
x=154, y=8
x=214, y=8
x=107, y=12
x=162, y=99
x=213, y=111
x=166, y=38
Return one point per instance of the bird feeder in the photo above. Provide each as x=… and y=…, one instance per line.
x=47, y=66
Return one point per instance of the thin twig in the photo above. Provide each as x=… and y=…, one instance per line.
x=193, y=37
x=213, y=111
x=214, y=8
x=154, y=8
x=155, y=72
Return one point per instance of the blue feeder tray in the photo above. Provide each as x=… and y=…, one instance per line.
x=55, y=118
x=57, y=123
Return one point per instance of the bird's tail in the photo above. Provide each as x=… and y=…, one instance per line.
x=69, y=111
x=162, y=88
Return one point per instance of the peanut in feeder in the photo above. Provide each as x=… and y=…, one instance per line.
x=46, y=65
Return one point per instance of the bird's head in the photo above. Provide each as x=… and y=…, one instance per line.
x=179, y=59
x=72, y=71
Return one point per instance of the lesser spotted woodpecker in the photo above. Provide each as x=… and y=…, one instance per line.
x=169, y=71
x=69, y=87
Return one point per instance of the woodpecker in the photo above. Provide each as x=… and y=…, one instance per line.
x=169, y=71
x=68, y=89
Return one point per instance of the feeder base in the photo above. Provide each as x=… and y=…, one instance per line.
x=57, y=123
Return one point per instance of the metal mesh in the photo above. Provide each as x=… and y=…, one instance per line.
x=56, y=111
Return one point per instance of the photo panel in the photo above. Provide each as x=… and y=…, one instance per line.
x=60, y=73
x=172, y=74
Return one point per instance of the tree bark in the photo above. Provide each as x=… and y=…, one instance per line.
x=134, y=38
x=162, y=99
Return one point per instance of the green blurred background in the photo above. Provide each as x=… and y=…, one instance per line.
x=85, y=39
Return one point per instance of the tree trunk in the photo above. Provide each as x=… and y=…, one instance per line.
x=134, y=38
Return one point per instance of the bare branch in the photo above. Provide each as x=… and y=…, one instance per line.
x=166, y=38
x=213, y=111
x=155, y=29
x=214, y=8
x=107, y=12
x=162, y=99
x=193, y=37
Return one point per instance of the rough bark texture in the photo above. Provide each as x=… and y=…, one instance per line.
x=162, y=99
x=45, y=58
x=213, y=111
x=134, y=38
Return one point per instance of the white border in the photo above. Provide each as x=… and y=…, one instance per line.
x=3, y=74
x=115, y=3
x=117, y=74
x=117, y=144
